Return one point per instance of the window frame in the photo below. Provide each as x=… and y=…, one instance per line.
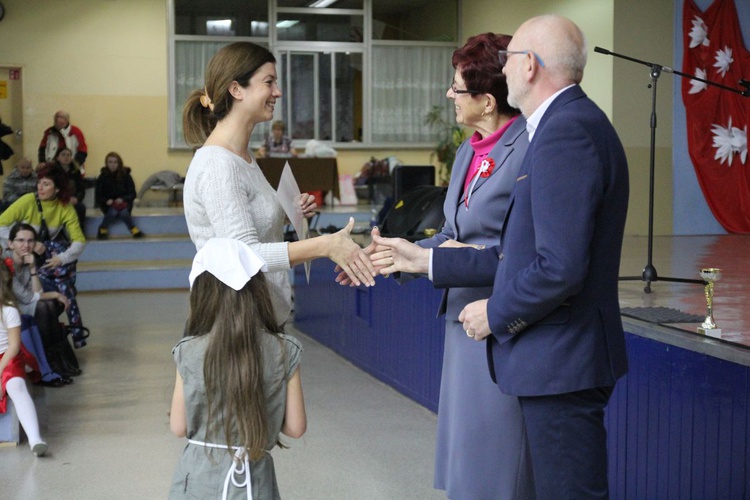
x=278, y=46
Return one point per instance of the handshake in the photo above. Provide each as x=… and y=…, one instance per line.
x=390, y=255
x=385, y=256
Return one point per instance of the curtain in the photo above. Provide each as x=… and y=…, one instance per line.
x=406, y=83
x=717, y=119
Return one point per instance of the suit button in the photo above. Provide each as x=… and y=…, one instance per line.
x=501, y=256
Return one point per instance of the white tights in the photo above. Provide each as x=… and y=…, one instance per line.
x=19, y=394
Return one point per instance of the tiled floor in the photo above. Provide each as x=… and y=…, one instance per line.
x=109, y=432
x=109, y=436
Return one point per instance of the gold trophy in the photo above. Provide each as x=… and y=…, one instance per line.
x=710, y=275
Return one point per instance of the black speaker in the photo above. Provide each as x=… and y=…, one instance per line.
x=419, y=209
x=408, y=177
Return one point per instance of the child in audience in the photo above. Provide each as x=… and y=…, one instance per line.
x=238, y=383
x=64, y=158
x=115, y=192
x=277, y=143
x=13, y=361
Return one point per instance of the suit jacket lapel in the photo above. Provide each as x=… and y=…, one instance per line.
x=575, y=92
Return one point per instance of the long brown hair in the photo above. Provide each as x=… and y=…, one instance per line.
x=7, y=298
x=235, y=62
x=119, y=172
x=233, y=363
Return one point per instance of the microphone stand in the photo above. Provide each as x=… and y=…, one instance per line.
x=649, y=274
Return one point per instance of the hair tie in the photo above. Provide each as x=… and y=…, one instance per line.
x=206, y=101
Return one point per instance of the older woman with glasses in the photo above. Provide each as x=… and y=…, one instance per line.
x=481, y=451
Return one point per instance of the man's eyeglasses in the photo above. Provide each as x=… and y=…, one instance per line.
x=459, y=92
x=503, y=55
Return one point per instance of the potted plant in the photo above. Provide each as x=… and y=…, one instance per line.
x=450, y=137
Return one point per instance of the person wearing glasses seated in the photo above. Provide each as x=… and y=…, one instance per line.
x=40, y=310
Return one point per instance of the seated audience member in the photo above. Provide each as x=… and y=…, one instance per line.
x=64, y=158
x=13, y=362
x=62, y=134
x=21, y=180
x=277, y=144
x=115, y=192
x=40, y=310
x=60, y=243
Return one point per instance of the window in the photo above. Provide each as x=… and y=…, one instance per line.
x=352, y=72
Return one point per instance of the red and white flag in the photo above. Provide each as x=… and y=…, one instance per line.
x=717, y=119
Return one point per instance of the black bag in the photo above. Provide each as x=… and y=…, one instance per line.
x=55, y=246
x=419, y=209
x=5, y=151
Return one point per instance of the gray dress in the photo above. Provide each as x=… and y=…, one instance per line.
x=481, y=451
x=202, y=471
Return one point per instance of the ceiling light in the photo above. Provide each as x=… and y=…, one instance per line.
x=286, y=24
x=319, y=4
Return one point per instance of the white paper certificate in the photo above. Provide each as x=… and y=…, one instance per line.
x=289, y=196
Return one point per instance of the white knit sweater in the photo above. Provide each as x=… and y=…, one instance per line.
x=226, y=197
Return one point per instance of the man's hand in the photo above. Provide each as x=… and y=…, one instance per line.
x=474, y=319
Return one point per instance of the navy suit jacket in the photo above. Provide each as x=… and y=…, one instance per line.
x=554, y=311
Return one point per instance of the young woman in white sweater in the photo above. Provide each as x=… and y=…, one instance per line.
x=227, y=196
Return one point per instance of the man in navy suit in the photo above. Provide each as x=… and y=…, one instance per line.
x=553, y=328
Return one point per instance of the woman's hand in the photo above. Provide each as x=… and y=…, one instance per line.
x=52, y=262
x=28, y=260
x=350, y=257
x=453, y=244
x=62, y=299
x=342, y=279
x=397, y=254
x=307, y=205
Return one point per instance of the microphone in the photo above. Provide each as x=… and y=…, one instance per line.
x=601, y=50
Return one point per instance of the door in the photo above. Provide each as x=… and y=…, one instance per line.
x=11, y=113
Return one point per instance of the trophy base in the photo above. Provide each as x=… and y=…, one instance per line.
x=710, y=332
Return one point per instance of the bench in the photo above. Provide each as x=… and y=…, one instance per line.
x=10, y=427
